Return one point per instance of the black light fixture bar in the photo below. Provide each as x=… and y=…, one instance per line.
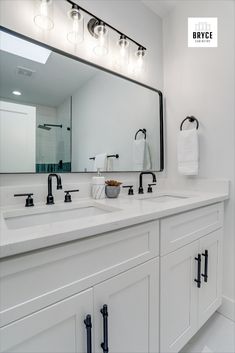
x=107, y=24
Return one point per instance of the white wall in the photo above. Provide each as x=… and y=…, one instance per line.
x=107, y=112
x=200, y=82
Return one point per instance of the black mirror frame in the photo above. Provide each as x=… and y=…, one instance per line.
x=61, y=52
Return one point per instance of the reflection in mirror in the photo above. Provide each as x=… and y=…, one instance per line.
x=60, y=115
x=107, y=112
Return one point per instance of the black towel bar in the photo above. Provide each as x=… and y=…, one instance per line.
x=191, y=119
x=109, y=156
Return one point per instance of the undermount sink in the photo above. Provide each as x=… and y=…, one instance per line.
x=161, y=198
x=52, y=214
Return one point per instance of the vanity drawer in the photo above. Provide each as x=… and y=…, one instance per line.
x=32, y=281
x=184, y=228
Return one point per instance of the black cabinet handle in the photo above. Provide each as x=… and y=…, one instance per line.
x=104, y=344
x=205, y=274
x=88, y=324
x=198, y=279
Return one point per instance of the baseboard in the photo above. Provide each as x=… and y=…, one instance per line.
x=227, y=308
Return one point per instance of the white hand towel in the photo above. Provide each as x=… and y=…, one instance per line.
x=147, y=157
x=100, y=162
x=139, y=154
x=188, y=152
x=109, y=164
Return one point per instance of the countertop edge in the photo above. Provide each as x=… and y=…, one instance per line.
x=27, y=246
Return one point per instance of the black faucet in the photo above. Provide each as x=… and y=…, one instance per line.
x=50, y=197
x=141, y=190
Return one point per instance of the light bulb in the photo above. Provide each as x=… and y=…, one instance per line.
x=101, y=33
x=123, y=45
x=17, y=93
x=140, y=58
x=76, y=36
x=42, y=19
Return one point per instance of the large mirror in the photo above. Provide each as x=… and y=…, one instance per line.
x=59, y=114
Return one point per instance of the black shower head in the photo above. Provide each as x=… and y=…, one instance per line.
x=44, y=127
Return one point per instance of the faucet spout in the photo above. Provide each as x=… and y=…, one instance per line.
x=50, y=197
x=141, y=189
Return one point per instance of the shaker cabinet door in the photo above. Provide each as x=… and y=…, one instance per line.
x=178, y=298
x=210, y=293
x=132, y=300
x=58, y=328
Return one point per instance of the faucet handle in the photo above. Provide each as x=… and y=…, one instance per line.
x=67, y=197
x=141, y=190
x=130, y=191
x=150, y=189
x=29, y=200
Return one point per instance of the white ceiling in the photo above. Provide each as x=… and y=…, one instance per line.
x=160, y=7
x=49, y=85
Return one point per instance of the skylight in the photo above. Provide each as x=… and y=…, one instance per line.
x=23, y=48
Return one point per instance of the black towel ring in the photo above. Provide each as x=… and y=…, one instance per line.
x=191, y=119
x=143, y=132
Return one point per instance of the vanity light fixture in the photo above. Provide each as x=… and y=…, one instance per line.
x=42, y=19
x=99, y=31
x=96, y=27
x=123, y=44
x=140, y=56
x=76, y=36
x=101, y=48
x=17, y=93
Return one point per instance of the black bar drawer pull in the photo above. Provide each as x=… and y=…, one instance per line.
x=198, y=279
x=104, y=344
x=88, y=324
x=205, y=274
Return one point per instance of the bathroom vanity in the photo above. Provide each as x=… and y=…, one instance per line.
x=139, y=274
x=142, y=277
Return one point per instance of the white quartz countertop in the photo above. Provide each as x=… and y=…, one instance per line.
x=129, y=210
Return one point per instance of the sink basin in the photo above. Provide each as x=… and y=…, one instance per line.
x=166, y=198
x=52, y=214
x=162, y=198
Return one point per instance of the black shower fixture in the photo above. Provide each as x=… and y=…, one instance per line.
x=49, y=126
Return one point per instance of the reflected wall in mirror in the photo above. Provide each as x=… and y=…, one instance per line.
x=58, y=114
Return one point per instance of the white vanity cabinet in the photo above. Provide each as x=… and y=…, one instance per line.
x=58, y=328
x=132, y=307
x=191, y=277
x=124, y=278
x=178, y=298
x=210, y=293
x=153, y=292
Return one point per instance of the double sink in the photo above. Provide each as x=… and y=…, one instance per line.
x=58, y=213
